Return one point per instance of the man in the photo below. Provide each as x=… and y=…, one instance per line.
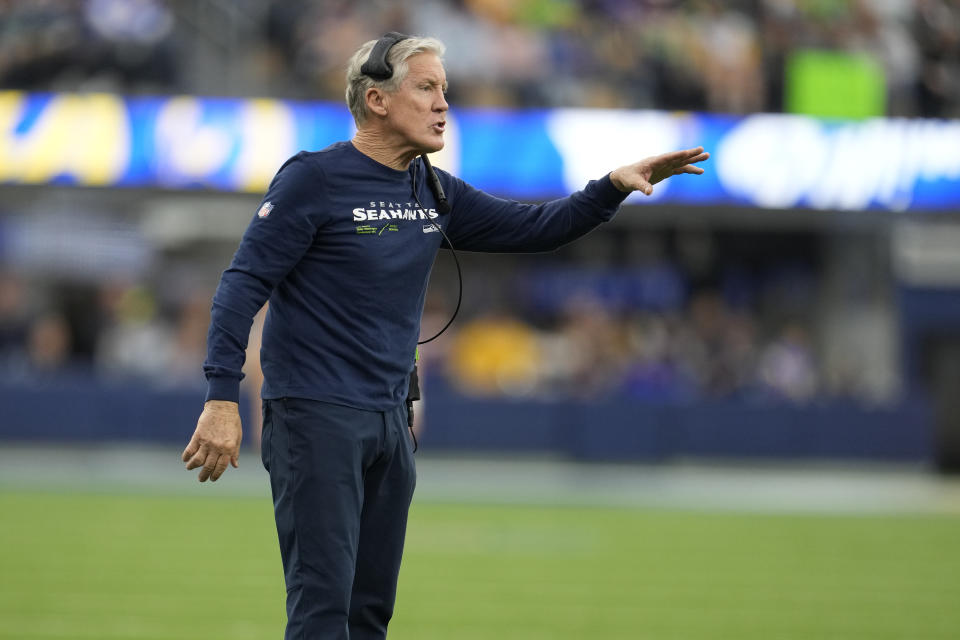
x=343, y=248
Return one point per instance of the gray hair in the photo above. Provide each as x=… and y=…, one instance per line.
x=358, y=83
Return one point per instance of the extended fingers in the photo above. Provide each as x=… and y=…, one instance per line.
x=682, y=162
x=683, y=156
x=675, y=163
x=642, y=175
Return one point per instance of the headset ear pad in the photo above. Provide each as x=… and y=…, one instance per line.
x=376, y=65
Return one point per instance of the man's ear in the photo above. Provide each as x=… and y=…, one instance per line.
x=376, y=101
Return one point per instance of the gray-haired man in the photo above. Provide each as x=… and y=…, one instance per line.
x=342, y=246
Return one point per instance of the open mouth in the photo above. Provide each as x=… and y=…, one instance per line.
x=439, y=127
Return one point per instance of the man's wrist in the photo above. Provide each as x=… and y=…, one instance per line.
x=606, y=193
x=219, y=405
x=615, y=180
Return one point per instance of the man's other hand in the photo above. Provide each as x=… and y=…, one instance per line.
x=641, y=176
x=216, y=441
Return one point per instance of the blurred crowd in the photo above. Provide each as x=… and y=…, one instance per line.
x=102, y=45
x=703, y=346
x=722, y=56
x=707, y=350
x=55, y=330
x=737, y=336
x=726, y=56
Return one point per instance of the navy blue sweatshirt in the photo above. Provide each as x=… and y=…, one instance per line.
x=343, y=252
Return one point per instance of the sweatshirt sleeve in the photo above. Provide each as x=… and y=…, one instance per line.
x=481, y=222
x=280, y=233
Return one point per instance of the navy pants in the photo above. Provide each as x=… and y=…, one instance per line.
x=342, y=480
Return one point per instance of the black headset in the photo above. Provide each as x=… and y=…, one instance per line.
x=376, y=65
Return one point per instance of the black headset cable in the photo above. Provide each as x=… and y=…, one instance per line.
x=441, y=200
x=442, y=207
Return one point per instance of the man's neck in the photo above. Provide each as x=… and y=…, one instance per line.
x=372, y=144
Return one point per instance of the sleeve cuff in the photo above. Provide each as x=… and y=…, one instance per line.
x=608, y=195
x=223, y=388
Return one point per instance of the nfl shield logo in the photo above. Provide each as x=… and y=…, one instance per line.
x=265, y=209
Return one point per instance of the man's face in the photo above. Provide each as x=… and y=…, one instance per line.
x=417, y=111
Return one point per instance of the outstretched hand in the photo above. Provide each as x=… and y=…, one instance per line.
x=216, y=441
x=641, y=176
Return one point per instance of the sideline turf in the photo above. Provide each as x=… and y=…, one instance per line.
x=152, y=567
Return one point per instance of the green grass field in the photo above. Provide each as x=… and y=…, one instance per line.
x=81, y=565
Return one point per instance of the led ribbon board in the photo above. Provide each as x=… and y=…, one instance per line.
x=763, y=160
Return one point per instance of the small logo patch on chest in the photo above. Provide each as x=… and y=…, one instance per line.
x=366, y=229
x=265, y=209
